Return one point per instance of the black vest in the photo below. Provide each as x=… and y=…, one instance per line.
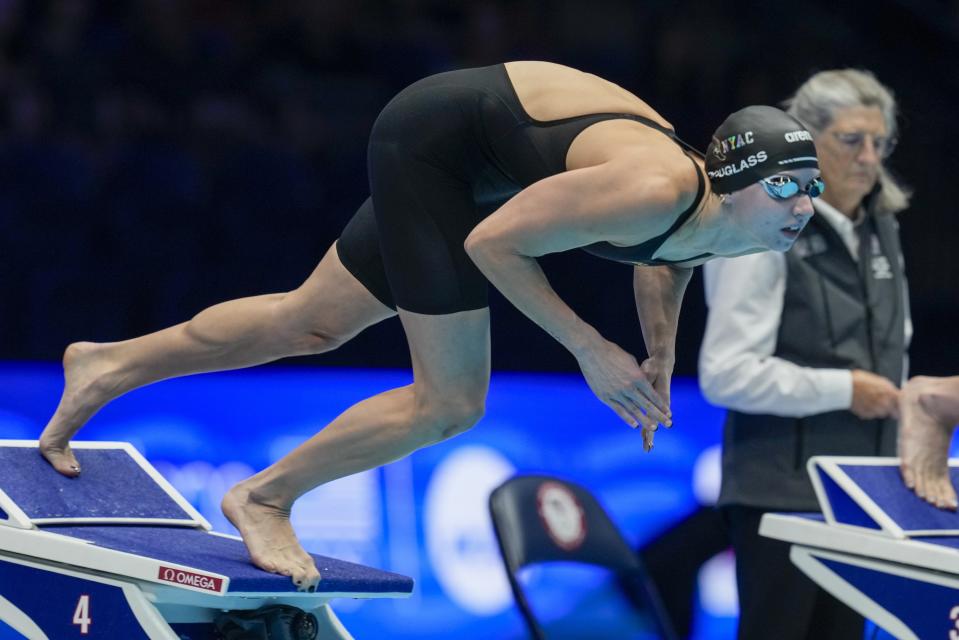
x=836, y=314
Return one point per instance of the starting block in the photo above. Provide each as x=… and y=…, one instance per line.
x=877, y=546
x=119, y=553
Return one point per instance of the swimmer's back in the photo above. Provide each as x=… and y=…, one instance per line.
x=550, y=91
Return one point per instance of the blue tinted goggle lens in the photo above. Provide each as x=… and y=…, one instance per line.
x=785, y=187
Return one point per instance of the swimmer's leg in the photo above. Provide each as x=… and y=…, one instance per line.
x=925, y=436
x=328, y=309
x=451, y=367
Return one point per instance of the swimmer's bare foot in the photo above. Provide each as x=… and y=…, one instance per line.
x=940, y=398
x=89, y=383
x=269, y=537
x=924, y=445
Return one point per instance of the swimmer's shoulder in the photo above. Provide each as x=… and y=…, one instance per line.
x=678, y=177
x=657, y=193
x=551, y=91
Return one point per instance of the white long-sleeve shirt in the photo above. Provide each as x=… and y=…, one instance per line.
x=737, y=368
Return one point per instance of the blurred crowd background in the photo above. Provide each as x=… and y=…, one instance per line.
x=158, y=156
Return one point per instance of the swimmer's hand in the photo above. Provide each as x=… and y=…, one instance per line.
x=660, y=374
x=627, y=388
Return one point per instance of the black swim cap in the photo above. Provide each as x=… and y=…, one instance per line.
x=755, y=143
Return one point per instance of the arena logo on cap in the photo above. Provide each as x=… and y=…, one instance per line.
x=731, y=143
x=798, y=136
x=562, y=515
x=737, y=167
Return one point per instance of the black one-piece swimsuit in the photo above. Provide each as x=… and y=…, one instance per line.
x=444, y=153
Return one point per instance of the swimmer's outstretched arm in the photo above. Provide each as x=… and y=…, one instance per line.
x=659, y=295
x=614, y=201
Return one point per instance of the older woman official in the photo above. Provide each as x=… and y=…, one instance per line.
x=806, y=349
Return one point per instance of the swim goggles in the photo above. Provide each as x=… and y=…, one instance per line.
x=782, y=187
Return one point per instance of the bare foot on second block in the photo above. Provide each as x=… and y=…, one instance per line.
x=88, y=385
x=940, y=398
x=924, y=441
x=269, y=537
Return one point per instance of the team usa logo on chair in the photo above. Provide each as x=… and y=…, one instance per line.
x=562, y=515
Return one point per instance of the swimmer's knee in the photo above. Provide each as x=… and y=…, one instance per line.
x=303, y=335
x=440, y=419
x=317, y=340
x=464, y=420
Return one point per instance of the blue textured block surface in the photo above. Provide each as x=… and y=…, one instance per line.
x=885, y=486
x=226, y=556
x=111, y=485
x=844, y=508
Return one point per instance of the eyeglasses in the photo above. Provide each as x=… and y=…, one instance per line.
x=782, y=187
x=853, y=141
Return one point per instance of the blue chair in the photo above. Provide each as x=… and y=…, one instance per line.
x=540, y=519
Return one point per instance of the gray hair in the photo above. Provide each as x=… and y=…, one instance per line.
x=815, y=102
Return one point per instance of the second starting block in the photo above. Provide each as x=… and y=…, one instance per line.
x=877, y=546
